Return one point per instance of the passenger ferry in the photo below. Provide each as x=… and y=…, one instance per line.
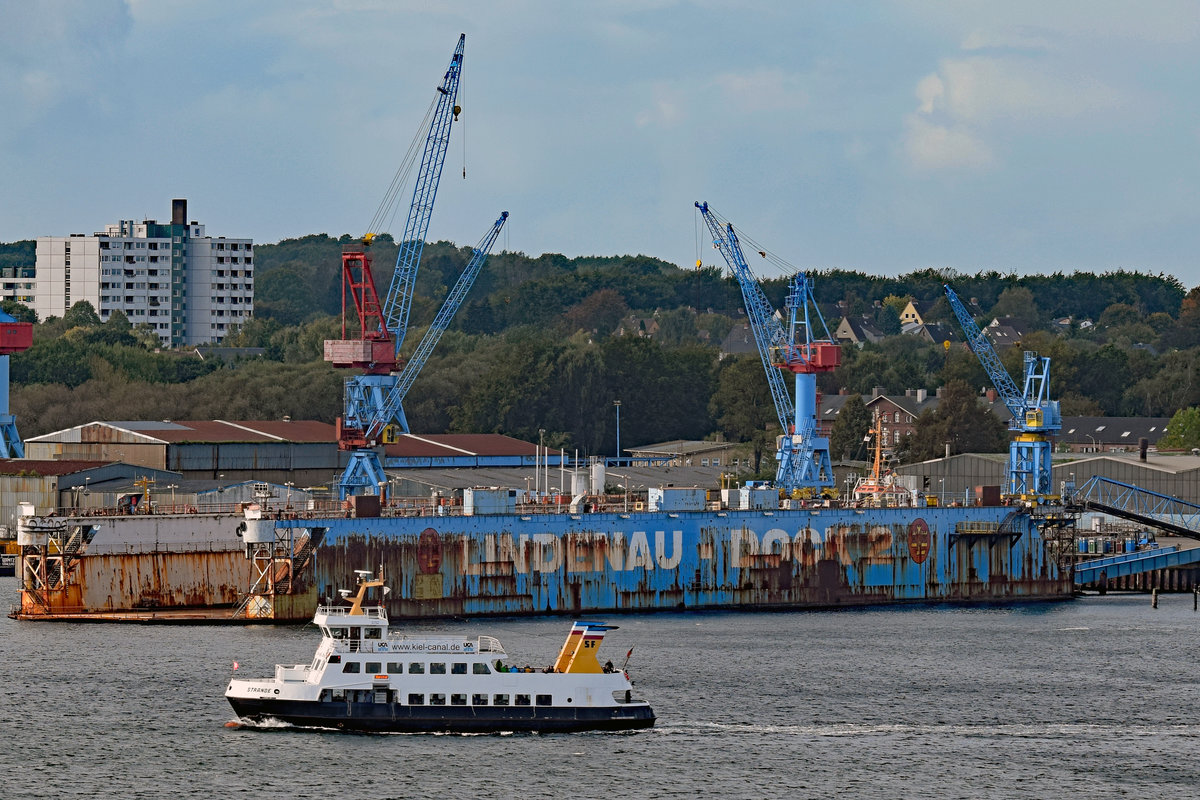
x=364, y=678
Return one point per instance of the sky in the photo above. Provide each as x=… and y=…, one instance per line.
x=884, y=135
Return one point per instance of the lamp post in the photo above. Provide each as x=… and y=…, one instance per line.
x=537, y=487
x=287, y=503
x=1095, y=447
x=172, y=487
x=617, y=404
x=941, y=491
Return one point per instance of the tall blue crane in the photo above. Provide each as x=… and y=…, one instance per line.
x=383, y=325
x=1034, y=415
x=803, y=455
x=14, y=337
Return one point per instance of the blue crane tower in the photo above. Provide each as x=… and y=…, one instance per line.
x=803, y=455
x=1035, y=417
x=372, y=404
x=14, y=337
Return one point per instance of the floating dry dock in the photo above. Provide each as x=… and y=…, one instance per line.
x=493, y=556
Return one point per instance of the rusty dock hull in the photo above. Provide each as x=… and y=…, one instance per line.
x=200, y=569
x=566, y=564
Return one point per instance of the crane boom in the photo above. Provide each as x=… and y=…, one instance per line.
x=768, y=330
x=981, y=346
x=398, y=301
x=393, y=404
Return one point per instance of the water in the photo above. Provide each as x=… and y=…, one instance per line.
x=1095, y=697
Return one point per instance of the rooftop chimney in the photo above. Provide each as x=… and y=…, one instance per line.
x=1143, y=445
x=179, y=211
x=922, y=395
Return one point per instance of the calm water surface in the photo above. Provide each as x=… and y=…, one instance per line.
x=1091, y=698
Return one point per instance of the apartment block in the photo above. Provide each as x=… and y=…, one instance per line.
x=187, y=287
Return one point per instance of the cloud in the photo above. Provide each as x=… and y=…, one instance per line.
x=969, y=99
x=762, y=90
x=929, y=145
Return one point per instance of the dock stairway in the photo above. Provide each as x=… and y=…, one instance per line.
x=1118, y=566
x=1126, y=501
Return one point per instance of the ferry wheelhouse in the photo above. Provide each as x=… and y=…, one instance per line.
x=365, y=678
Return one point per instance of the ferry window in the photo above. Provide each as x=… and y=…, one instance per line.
x=479, y=699
x=395, y=668
x=416, y=699
x=437, y=699
x=458, y=699
x=416, y=669
x=479, y=668
x=521, y=700
x=499, y=699
x=458, y=668
x=351, y=666
x=337, y=633
x=339, y=694
x=373, y=633
x=437, y=668
x=544, y=700
x=335, y=659
x=374, y=666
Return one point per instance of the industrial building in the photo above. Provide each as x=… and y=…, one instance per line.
x=187, y=287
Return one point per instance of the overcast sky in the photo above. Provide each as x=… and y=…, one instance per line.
x=1025, y=136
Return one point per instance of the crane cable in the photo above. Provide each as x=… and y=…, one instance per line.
x=784, y=266
x=385, y=215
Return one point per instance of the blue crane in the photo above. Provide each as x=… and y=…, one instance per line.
x=14, y=337
x=1034, y=415
x=803, y=455
x=383, y=325
x=364, y=469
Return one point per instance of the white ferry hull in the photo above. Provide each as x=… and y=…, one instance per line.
x=398, y=718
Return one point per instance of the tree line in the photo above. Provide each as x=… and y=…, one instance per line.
x=535, y=348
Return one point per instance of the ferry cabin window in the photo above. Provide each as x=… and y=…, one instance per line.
x=395, y=668
x=458, y=668
x=499, y=699
x=335, y=659
x=521, y=700
x=374, y=667
x=416, y=669
x=437, y=699
x=437, y=668
x=479, y=699
x=544, y=700
x=416, y=699
x=373, y=633
x=458, y=699
x=479, y=668
x=351, y=666
x=337, y=633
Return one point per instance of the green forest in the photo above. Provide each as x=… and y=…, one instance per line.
x=536, y=347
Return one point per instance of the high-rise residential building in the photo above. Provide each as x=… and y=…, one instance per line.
x=187, y=287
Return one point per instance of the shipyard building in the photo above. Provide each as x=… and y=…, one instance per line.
x=186, y=286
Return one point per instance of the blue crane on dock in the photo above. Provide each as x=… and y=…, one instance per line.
x=1035, y=417
x=803, y=455
x=373, y=400
x=14, y=337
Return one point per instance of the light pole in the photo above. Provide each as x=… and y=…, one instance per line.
x=287, y=503
x=941, y=491
x=1095, y=447
x=617, y=403
x=537, y=487
x=172, y=487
